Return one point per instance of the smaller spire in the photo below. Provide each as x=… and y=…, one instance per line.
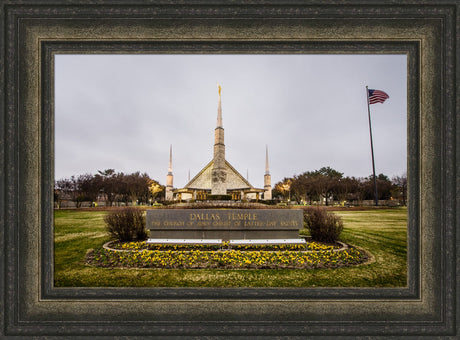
x=169, y=195
x=267, y=169
x=170, y=159
x=219, y=108
x=267, y=178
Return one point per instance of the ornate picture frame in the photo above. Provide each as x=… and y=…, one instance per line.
x=34, y=31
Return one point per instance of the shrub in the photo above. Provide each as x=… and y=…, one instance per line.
x=219, y=197
x=324, y=226
x=269, y=202
x=126, y=224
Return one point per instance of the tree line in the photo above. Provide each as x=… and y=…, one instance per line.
x=310, y=187
x=109, y=186
x=327, y=184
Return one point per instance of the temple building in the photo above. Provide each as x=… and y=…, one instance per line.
x=218, y=177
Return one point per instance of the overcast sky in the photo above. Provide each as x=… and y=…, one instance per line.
x=124, y=111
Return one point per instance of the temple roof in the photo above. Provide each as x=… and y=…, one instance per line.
x=202, y=181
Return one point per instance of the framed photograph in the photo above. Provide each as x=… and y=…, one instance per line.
x=37, y=37
x=292, y=119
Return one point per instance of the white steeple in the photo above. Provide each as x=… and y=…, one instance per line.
x=219, y=173
x=169, y=179
x=267, y=178
x=267, y=170
x=219, y=109
x=170, y=160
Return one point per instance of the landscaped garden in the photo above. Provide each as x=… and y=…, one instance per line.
x=376, y=257
x=313, y=255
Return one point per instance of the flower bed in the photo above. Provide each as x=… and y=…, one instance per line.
x=137, y=255
x=309, y=246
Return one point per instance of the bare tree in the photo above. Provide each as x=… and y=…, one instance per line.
x=400, y=183
x=327, y=180
x=89, y=187
x=63, y=189
x=108, y=185
x=70, y=189
x=347, y=188
x=137, y=186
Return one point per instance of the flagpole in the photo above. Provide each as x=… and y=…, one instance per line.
x=372, y=147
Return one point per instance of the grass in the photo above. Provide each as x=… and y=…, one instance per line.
x=382, y=232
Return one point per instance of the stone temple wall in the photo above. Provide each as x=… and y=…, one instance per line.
x=204, y=180
x=233, y=180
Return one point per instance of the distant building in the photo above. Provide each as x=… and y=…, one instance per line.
x=218, y=177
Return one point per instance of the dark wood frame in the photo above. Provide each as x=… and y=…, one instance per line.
x=34, y=31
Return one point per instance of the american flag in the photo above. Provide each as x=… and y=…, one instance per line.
x=377, y=96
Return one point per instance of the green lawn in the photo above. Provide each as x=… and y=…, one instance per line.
x=381, y=232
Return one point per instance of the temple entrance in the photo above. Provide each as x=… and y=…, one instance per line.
x=236, y=196
x=201, y=195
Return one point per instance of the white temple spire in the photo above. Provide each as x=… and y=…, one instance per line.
x=219, y=172
x=219, y=108
x=169, y=196
x=170, y=159
x=267, y=168
x=267, y=178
